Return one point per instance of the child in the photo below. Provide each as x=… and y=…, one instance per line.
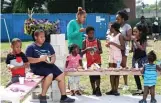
x=16, y=61
x=150, y=77
x=74, y=61
x=116, y=45
x=93, y=56
x=139, y=42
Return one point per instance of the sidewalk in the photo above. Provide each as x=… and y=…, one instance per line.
x=110, y=99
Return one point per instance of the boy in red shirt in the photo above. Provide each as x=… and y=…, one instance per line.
x=93, y=50
x=16, y=61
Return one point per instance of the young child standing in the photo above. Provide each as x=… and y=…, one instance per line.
x=74, y=61
x=139, y=43
x=150, y=77
x=16, y=61
x=93, y=56
x=116, y=45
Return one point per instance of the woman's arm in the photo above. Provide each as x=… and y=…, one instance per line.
x=53, y=59
x=158, y=68
x=37, y=60
x=127, y=37
x=142, y=46
x=71, y=33
x=142, y=71
x=122, y=46
x=132, y=47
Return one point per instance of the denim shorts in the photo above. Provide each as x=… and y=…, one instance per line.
x=140, y=61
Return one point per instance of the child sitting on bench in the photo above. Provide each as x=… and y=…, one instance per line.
x=16, y=61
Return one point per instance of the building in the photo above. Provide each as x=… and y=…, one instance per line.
x=131, y=4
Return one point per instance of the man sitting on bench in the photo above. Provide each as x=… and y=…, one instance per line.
x=41, y=56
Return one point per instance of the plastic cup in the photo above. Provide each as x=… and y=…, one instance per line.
x=136, y=66
x=21, y=80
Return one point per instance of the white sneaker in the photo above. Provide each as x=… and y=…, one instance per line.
x=155, y=39
x=126, y=87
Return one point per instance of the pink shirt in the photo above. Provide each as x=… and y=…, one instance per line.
x=73, y=61
x=115, y=52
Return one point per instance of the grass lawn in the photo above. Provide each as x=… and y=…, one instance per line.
x=85, y=84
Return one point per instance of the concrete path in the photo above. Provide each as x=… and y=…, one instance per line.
x=109, y=99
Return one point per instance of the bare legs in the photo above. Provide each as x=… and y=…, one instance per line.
x=123, y=64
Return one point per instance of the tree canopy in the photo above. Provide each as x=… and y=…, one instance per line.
x=61, y=6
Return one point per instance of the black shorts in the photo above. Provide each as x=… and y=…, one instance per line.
x=94, y=78
x=47, y=69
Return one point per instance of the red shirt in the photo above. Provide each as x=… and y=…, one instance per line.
x=17, y=60
x=92, y=57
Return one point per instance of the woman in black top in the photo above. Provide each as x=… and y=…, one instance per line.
x=139, y=43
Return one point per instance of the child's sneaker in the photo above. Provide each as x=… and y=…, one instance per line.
x=110, y=93
x=98, y=92
x=142, y=101
x=67, y=100
x=116, y=93
x=72, y=93
x=78, y=93
x=153, y=101
x=94, y=92
x=42, y=98
x=138, y=92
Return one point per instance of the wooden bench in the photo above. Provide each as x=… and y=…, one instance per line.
x=22, y=91
x=104, y=72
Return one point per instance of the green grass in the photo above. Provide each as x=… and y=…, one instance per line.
x=85, y=84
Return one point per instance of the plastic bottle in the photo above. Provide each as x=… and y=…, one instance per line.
x=118, y=64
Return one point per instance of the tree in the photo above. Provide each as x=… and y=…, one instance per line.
x=91, y=6
x=63, y=6
x=21, y=6
x=7, y=6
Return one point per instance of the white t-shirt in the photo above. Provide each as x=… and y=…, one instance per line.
x=124, y=29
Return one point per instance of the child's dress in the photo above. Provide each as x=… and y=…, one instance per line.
x=114, y=52
x=73, y=62
x=150, y=75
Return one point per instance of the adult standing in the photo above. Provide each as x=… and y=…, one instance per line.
x=75, y=28
x=126, y=31
x=155, y=29
x=144, y=24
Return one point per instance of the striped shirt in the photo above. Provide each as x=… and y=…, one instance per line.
x=150, y=75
